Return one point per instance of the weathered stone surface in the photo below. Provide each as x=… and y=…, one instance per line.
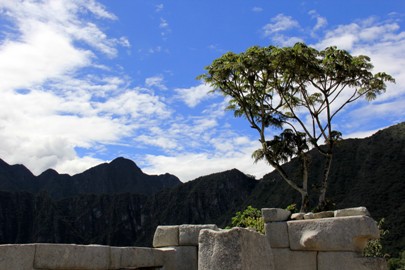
x=184, y=258
x=131, y=257
x=309, y=215
x=58, y=256
x=277, y=234
x=188, y=234
x=324, y=214
x=356, y=211
x=349, y=261
x=17, y=257
x=332, y=234
x=166, y=236
x=285, y=259
x=297, y=216
x=275, y=214
x=234, y=249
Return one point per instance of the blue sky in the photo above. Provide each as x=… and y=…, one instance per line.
x=83, y=81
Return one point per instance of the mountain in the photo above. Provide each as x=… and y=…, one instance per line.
x=119, y=176
x=366, y=172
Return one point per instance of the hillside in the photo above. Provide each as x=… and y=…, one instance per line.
x=119, y=176
x=368, y=172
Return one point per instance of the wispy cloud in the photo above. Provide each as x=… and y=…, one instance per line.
x=257, y=9
x=49, y=108
x=278, y=24
x=156, y=81
x=321, y=22
x=194, y=95
x=159, y=7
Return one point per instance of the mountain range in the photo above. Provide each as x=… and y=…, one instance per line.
x=117, y=204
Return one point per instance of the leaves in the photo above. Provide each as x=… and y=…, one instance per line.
x=298, y=89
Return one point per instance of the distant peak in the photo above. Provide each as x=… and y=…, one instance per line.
x=121, y=161
x=49, y=172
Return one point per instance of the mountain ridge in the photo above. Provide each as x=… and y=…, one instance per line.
x=366, y=172
x=119, y=176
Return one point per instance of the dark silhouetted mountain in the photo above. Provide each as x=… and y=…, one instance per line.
x=365, y=172
x=368, y=172
x=120, y=176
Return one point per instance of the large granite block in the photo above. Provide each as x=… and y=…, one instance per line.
x=235, y=249
x=78, y=257
x=277, y=234
x=19, y=257
x=349, y=261
x=275, y=214
x=131, y=257
x=166, y=236
x=355, y=211
x=183, y=258
x=188, y=234
x=285, y=259
x=332, y=234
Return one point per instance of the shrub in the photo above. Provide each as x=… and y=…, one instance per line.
x=249, y=218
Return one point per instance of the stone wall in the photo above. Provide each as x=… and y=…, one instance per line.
x=321, y=241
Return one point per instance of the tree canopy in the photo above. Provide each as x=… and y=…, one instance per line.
x=299, y=90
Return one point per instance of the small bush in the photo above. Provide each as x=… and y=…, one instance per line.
x=249, y=218
x=374, y=248
x=397, y=263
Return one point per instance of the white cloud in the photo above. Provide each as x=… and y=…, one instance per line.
x=278, y=24
x=192, y=165
x=257, y=9
x=159, y=7
x=156, y=81
x=49, y=108
x=321, y=22
x=194, y=95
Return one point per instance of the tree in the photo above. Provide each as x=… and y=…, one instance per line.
x=299, y=90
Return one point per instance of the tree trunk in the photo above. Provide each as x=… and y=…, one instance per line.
x=304, y=202
x=324, y=185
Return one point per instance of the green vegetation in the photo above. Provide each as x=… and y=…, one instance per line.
x=397, y=263
x=374, y=248
x=249, y=218
x=281, y=88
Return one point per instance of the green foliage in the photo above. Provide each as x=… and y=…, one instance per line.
x=250, y=218
x=397, y=263
x=299, y=90
x=374, y=247
x=292, y=208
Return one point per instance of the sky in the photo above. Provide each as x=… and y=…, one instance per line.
x=84, y=81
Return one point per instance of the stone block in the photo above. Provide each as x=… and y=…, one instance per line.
x=188, y=234
x=19, y=257
x=183, y=258
x=277, y=234
x=275, y=214
x=83, y=257
x=297, y=216
x=131, y=257
x=309, y=215
x=235, y=249
x=332, y=234
x=166, y=236
x=285, y=259
x=324, y=214
x=349, y=261
x=357, y=211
